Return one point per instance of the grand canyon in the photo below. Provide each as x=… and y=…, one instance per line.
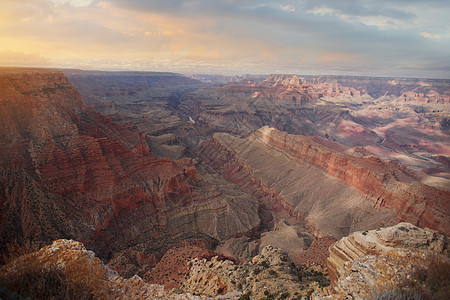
x=169, y=186
x=224, y=149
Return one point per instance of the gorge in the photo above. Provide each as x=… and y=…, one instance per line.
x=153, y=170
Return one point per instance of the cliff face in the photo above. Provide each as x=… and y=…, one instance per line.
x=283, y=182
x=391, y=184
x=335, y=192
x=67, y=171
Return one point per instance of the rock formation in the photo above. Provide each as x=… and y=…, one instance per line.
x=66, y=269
x=398, y=119
x=176, y=172
x=69, y=172
x=269, y=274
x=396, y=261
x=335, y=192
x=391, y=184
x=366, y=263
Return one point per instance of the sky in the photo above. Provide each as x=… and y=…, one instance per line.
x=408, y=38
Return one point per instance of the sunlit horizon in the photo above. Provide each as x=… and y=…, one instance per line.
x=370, y=38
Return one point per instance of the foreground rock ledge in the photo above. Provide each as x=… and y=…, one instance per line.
x=367, y=263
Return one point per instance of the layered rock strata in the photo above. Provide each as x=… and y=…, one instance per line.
x=69, y=172
x=395, y=274
x=365, y=263
x=390, y=184
x=399, y=119
x=283, y=182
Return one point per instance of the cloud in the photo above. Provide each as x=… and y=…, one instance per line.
x=288, y=8
x=431, y=36
x=351, y=36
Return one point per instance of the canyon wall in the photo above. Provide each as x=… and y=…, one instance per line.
x=283, y=183
x=397, y=119
x=335, y=192
x=69, y=172
x=391, y=184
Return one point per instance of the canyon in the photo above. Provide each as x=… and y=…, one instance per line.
x=163, y=175
x=68, y=171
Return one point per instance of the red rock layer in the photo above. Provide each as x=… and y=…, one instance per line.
x=388, y=183
x=69, y=172
x=288, y=85
x=316, y=254
x=228, y=164
x=174, y=267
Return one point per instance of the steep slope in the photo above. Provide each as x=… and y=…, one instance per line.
x=391, y=184
x=336, y=193
x=285, y=183
x=69, y=172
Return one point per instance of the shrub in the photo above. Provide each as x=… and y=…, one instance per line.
x=264, y=264
x=245, y=296
x=430, y=280
x=14, y=250
x=284, y=295
x=78, y=279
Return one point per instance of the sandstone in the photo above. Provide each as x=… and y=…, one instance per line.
x=392, y=185
x=372, y=244
x=267, y=274
x=405, y=121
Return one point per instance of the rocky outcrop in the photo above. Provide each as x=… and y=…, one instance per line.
x=268, y=274
x=366, y=263
x=395, y=261
x=381, y=241
x=67, y=269
x=399, y=274
x=69, y=172
x=66, y=266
